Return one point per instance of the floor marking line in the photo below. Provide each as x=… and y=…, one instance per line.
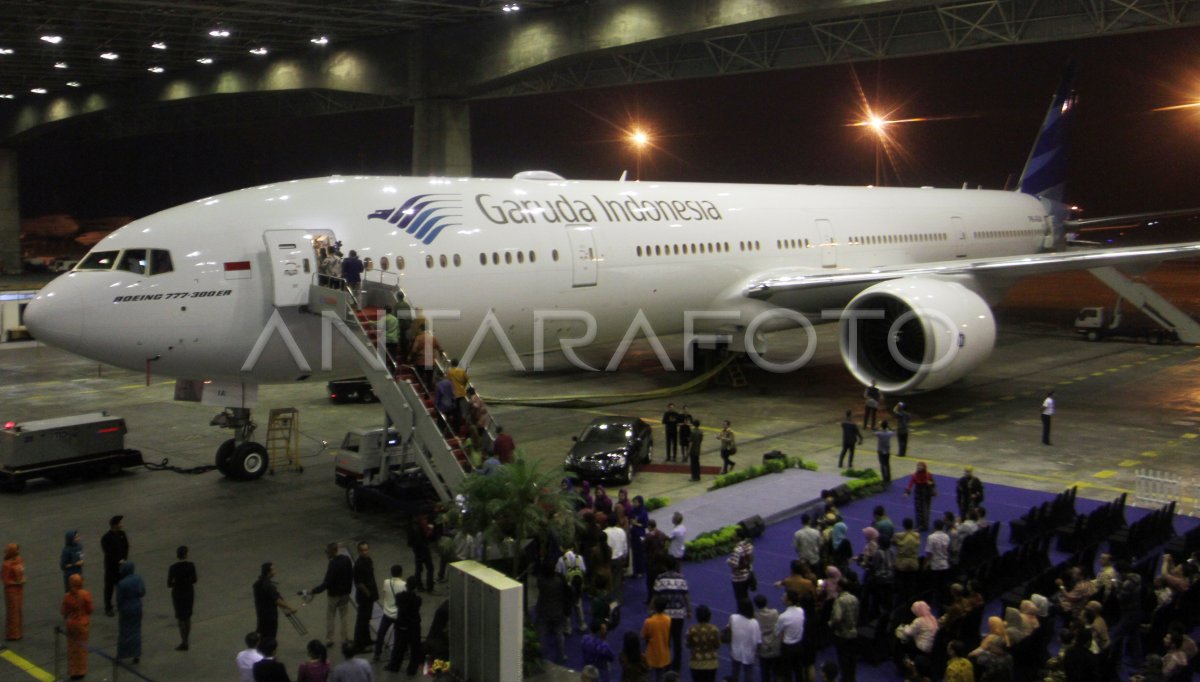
x=26, y=667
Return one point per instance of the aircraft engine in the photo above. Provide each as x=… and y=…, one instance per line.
x=915, y=334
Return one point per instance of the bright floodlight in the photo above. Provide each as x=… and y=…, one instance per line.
x=60, y=65
x=109, y=56
x=156, y=69
x=53, y=40
x=160, y=45
x=73, y=84
x=512, y=7
x=320, y=41
x=259, y=51
x=6, y=50
x=639, y=138
x=38, y=91
x=7, y=95
x=205, y=60
x=219, y=33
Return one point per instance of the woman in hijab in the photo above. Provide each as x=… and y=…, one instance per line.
x=996, y=641
x=14, y=591
x=922, y=482
x=639, y=520
x=71, y=559
x=604, y=503
x=77, y=610
x=585, y=492
x=130, y=590
x=919, y=634
x=623, y=501
x=840, y=545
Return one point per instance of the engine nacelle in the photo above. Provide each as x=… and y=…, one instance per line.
x=915, y=334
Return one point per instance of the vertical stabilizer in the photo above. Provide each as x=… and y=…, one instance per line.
x=1045, y=171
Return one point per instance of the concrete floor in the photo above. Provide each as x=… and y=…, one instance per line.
x=1121, y=406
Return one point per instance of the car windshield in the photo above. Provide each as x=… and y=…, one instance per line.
x=606, y=433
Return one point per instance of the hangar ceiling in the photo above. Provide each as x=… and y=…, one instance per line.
x=387, y=53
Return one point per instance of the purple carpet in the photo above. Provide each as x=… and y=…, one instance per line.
x=709, y=580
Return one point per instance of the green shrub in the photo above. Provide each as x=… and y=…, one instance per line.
x=711, y=544
x=657, y=503
x=860, y=473
x=773, y=466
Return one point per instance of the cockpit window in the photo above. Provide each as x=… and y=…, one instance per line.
x=160, y=262
x=133, y=260
x=98, y=260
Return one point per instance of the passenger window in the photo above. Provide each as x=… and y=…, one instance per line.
x=133, y=260
x=483, y=259
x=520, y=256
x=429, y=261
x=508, y=257
x=533, y=256
x=383, y=263
x=399, y=262
x=442, y=260
x=554, y=255
x=98, y=260
x=160, y=262
x=457, y=260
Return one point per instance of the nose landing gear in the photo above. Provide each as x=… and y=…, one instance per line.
x=239, y=457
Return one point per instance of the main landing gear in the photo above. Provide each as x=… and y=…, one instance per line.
x=239, y=457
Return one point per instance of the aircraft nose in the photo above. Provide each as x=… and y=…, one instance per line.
x=55, y=316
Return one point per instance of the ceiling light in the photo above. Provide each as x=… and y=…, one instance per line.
x=6, y=50
x=38, y=91
x=156, y=69
x=160, y=45
x=320, y=41
x=205, y=60
x=219, y=33
x=7, y=95
x=53, y=40
x=259, y=51
x=73, y=84
x=110, y=56
x=511, y=7
x=60, y=65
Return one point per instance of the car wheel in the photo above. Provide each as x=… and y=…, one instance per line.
x=627, y=475
x=1093, y=335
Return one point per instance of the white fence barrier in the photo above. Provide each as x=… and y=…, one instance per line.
x=1157, y=488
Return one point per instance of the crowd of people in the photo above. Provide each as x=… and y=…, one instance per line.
x=907, y=582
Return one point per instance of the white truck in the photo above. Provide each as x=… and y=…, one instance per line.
x=63, y=447
x=1097, y=323
x=377, y=470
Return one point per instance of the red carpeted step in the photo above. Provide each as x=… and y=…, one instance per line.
x=460, y=455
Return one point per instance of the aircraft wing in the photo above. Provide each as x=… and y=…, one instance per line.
x=776, y=285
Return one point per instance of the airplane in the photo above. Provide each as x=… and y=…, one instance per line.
x=909, y=274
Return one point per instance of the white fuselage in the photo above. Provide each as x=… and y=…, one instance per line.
x=514, y=248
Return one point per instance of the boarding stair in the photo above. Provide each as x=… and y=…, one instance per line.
x=1157, y=308
x=428, y=435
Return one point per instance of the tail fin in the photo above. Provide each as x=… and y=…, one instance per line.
x=1045, y=171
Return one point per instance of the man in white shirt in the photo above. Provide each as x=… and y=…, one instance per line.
x=790, y=628
x=392, y=587
x=1047, y=413
x=937, y=550
x=247, y=657
x=677, y=536
x=618, y=544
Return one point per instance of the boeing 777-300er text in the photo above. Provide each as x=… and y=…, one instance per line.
x=220, y=289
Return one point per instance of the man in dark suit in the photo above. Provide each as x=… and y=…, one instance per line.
x=366, y=592
x=269, y=669
x=115, y=545
x=694, y=441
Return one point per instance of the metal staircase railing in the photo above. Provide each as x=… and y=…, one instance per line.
x=406, y=400
x=1157, y=308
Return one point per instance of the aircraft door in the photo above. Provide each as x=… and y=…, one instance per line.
x=291, y=255
x=584, y=257
x=828, y=243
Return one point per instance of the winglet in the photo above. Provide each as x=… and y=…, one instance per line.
x=1045, y=171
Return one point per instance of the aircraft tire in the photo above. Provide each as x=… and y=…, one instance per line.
x=1093, y=335
x=249, y=461
x=224, y=454
x=354, y=498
